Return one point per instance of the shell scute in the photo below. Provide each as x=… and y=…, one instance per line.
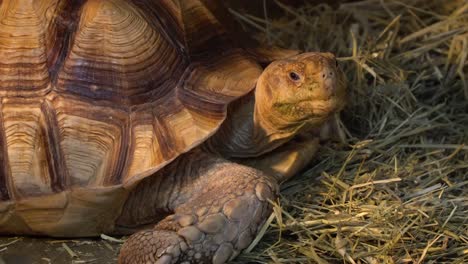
x=93, y=141
x=26, y=141
x=117, y=55
x=24, y=37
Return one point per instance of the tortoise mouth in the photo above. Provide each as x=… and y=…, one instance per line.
x=326, y=106
x=322, y=105
x=309, y=107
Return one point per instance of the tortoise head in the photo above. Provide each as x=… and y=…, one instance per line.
x=302, y=90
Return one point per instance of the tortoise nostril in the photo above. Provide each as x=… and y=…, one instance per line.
x=327, y=75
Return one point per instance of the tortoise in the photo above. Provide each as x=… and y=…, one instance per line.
x=151, y=118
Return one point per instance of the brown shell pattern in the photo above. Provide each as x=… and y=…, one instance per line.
x=100, y=93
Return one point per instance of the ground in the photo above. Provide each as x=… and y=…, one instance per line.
x=22, y=250
x=396, y=191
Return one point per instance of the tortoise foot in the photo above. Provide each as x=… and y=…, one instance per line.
x=213, y=226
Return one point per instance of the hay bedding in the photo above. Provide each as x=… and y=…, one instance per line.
x=396, y=192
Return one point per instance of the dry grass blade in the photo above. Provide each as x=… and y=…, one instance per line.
x=112, y=239
x=70, y=252
x=398, y=192
x=4, y=245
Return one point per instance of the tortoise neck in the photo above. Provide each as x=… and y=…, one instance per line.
x=246, y=132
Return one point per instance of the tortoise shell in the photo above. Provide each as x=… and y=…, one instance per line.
x=96, y=95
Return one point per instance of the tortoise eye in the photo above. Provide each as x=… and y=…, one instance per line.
x=294, y=76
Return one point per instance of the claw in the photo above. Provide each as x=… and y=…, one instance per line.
x=164, y=259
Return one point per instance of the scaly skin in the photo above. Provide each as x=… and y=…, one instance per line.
x=287, y=160
x=216, y=213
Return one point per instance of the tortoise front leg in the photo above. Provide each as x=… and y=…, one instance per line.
x=216, y=214
x=287, y=160
x=293, y=156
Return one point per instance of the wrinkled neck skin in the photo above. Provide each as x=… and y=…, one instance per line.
x=251, y=130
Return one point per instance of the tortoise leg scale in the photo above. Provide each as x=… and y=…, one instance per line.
x=216, y=216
